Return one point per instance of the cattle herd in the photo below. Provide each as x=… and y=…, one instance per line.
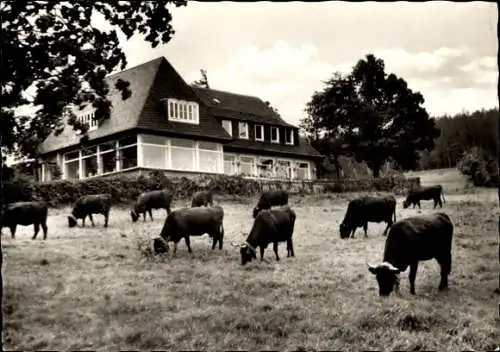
x=408, y=241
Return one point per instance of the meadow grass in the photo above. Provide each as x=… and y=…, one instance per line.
x=92, y=288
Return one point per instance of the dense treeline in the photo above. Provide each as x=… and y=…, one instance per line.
x=468, y=141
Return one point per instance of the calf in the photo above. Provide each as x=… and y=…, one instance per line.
x=362, y=210
x=270, y=226
x=25, y=214
x=202, y=198
x=186, y=222
x=88, y=205
x=425, y=193
x=269, y=199
x=412, y=240
x=148, y=201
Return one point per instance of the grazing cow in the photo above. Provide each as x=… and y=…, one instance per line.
x=412, y=240
x=425, y=193
x=361, y=211
x=186, y=222
x=88, y=205
x=269, y=199
x=25, y=213
x=270, y=226
x=202, y=198
x=148, y=201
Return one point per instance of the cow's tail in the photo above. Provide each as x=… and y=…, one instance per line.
x=442, y=195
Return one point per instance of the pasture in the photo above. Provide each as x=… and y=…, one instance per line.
x=92, y=288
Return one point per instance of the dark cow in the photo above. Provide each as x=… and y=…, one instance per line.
x=361, y=211
x=148, y=201
x=25, y=214
x=270, y=226
x=186, y=222
x=88, y=205
x=425, y=193
x=412, y=240
x=269, y=199
x=202, y=198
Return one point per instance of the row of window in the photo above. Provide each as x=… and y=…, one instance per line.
x=183, y=111
x=259, y=132
x=88, y=118
x=265, y=167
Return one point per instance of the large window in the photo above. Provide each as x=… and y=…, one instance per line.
x=107, y=157
x=247, y=166
x=243, y=130
x=127, y=152
x=209, y=157
x=302, y=171
x=183, y=111
x=275, y=137
x=265, y=167
x=259, y=132
x=72, y=165
x=230, y=167
x=154, y=151
x=283, y=169
x=228, y=126
x=182, y=154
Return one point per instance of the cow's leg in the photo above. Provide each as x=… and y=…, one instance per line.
x=13, y=231
x=151, y=214
x=435, y=204
x=418, y=203
x=389, y=224
x=221, y=236
x=365, y=228
x=188, y=243
x=353, y=232
x=106, y=218
x=261, y=253
x=144, y=216
x=37, y=230
x=44, y=228
x=168, y=210
x=412, y=276
x=440, y=202
x=445, y=264
x=91, y=220
x=175, y=248
x=83, y=220
x=275, y=249
x=289, y=245
x=214, y=239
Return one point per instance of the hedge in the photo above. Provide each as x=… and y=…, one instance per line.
x=125, y=189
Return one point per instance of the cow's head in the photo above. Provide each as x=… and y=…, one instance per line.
x=387, y=277
x=71, y=221
x=134, y=215
x=256, y=211
x=247, y=252
x=160, y=246
x=344, y=230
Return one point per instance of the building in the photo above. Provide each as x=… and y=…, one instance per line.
x=169, y=125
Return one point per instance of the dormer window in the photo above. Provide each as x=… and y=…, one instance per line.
x=243, y=130
x=259, y=133
x=228, y=126
x=289, y=136
x=88, y=118
x=275, y=136
x=183, y=111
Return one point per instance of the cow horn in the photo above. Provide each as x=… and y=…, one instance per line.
x=390, y=266
x=371, y=266
x=234, y=244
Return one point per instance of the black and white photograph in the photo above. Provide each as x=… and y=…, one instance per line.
x=249, y=176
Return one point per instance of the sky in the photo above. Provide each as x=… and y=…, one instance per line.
x=282, y=52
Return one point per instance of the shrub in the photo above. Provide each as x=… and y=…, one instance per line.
x=480, y=166
x=125, y=188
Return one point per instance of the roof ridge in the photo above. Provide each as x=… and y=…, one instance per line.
x=227, y=92
x=135, y=67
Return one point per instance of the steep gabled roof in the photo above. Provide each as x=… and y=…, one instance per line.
x=124, y=113
x=150, y=83
x=238, y=106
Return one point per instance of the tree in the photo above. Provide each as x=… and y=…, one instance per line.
x=53, y=47
x=203, y=82
x=370, y=115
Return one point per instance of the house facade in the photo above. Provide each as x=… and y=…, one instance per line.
x=169, y=125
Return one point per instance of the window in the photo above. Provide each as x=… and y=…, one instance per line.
x=259, y=132
x=283, y=169
x=228, y=126
x=266, y=168
x=302, y=171
x=247, y=166
x=154, y=151
x=230, y=167
x=275, y=137
x=289, y=136
x=182, y=154
x=89, y=162
x=243, y=130
x=72, y=165
x=183, y=111
x=88, y=118
x=107, y=155
x=127, y=152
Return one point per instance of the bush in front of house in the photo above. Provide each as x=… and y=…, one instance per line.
x=124, y=189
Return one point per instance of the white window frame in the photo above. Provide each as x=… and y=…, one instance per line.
x=183, y=111
x=245, y=125
x=277, y=134
x=88, y=118
x=261, y=127
x=230, y=125
x=289, y=132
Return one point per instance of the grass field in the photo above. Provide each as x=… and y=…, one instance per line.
x=91, y=288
